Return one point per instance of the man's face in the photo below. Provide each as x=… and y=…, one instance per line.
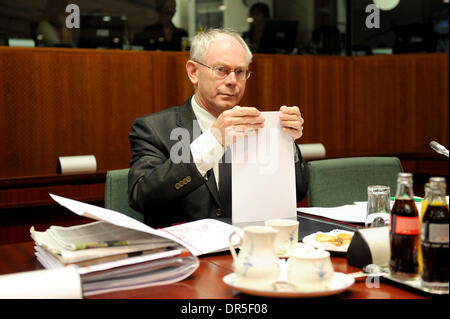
x=212, y=93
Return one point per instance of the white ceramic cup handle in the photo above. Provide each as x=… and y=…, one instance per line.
x=232, y=250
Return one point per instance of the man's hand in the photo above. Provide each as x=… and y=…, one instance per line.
x=291, y=121
x=236, y=122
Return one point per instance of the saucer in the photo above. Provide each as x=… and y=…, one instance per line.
x=282, y=289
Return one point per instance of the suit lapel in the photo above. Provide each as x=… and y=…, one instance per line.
x=186, y=119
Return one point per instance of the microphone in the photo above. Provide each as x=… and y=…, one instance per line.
x=439, y=148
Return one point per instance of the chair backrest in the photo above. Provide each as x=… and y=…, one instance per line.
x=336, y=182
x=116, y=193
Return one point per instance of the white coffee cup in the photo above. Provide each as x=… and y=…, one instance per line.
x=287, y=236
x=309, y=268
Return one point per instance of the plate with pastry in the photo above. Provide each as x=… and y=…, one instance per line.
x=336, y=240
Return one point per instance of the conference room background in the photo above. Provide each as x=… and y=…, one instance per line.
x=368, y=83
x=332, y=27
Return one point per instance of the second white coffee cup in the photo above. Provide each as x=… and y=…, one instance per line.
x=287, y=236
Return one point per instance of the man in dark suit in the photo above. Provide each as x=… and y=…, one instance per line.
x=174, y=168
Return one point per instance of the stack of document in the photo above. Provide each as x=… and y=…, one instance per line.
x=94, y=243
x=109, y=257
x=117, y=252
x=106, y=263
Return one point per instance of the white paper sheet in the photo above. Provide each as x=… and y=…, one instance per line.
x=205, y=235
x=355, y=213
x=60, y=283
x=263, y=174
x=346, y=213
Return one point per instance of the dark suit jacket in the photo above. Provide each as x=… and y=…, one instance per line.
x=168, y=193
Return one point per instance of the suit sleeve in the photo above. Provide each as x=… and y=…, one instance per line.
x=153, y=177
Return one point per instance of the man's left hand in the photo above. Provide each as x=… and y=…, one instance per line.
x=292, y=121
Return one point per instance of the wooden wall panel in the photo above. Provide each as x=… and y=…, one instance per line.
x=400, y=102
x=61, y=103
x=171, y=84
x=56, y=102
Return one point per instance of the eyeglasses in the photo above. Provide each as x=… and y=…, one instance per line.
x=222, y=72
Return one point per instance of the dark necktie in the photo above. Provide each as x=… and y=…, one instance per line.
x=225, y=183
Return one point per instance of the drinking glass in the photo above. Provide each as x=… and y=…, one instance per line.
x=378, y=206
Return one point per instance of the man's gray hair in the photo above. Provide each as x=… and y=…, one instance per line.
x=202, y=40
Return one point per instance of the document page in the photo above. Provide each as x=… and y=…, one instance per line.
x=204, y=236
x=263, y=174
x=346, y=213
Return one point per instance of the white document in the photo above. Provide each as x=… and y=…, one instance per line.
x=204, y=236
x=355, y=213
x=346, y=213
x=102, y=214
x=263, y=174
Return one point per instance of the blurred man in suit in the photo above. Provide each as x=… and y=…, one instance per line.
x=259, y=14
x=168, y=191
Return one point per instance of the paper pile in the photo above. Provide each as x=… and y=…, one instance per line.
x=111, y=257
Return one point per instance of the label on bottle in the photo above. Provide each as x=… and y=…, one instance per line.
x=438, y=233
x=407, y=225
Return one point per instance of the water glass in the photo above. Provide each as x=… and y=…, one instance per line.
x=378, y=206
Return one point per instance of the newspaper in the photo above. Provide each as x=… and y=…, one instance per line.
x=149, y=257
x=100, y=234
x=65, y=256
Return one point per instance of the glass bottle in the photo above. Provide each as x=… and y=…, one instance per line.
x=405, y=231
x=435, y=238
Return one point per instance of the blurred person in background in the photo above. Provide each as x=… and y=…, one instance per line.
x=163, y=35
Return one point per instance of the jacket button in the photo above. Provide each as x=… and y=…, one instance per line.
x=188, y=179
x=177, y=186
x=219, y=212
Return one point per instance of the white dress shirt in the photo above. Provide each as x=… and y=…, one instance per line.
x=206, y=150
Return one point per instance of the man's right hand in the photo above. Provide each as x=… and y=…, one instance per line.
x=236, y=122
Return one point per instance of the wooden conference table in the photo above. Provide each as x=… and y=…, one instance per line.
x=206, y=282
